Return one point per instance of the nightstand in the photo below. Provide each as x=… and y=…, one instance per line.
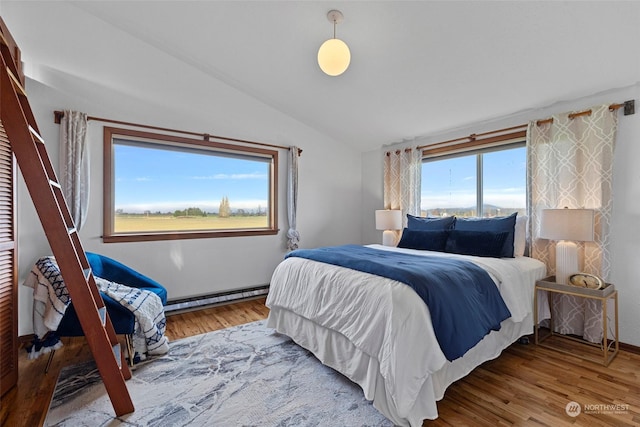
x=600, y=353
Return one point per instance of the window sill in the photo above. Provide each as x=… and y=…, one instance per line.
x=182, y=235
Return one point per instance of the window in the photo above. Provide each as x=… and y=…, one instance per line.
x=159, y=187
x=487, y=182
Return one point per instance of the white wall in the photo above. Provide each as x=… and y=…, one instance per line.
x=329, y=197
x=625, y=230
x=372, y=195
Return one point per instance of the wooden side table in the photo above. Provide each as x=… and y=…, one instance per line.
x=609, y=346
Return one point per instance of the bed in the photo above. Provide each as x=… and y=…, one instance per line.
x=379, y=333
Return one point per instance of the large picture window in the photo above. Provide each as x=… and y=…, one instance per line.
x=487, y=182
x=161, y=187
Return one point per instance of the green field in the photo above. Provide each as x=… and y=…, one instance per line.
x=141, y=223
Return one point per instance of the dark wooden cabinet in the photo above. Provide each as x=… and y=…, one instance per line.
x=8, y=241
x=8, y=277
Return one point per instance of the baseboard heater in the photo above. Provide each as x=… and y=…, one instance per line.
x=212, y=299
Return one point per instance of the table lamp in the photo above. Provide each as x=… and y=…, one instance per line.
x=567, y=226
x=388, y=220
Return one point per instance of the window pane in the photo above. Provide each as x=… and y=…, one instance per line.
x=162, y=190
x=449, y=187
x=504, y=176
x=170, y=188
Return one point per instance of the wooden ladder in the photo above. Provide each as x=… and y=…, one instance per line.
x=48, y=199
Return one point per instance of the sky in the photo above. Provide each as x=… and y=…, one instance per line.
x=165, y=180
x=451, y=183
x=149, y=179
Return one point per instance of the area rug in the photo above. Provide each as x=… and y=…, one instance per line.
x=246, y=375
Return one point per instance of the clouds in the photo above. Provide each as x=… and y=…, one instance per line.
x=233, y=176
x=218, y=176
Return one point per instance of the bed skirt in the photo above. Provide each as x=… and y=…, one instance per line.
x=336, y=351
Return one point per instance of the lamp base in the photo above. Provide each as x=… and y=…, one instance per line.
x=388, y=238
x=566, y=261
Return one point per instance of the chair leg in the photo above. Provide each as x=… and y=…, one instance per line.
x=128, y=338
x=46, y=369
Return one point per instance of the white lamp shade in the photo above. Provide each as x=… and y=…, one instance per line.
x=388, y=219
x=567, y=224
x=334, y=57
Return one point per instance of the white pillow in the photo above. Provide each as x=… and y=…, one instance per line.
x=520, y=236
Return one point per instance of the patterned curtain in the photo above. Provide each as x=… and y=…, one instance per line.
x=402, y=180
x=570, y=164
x=74, y=165
x=293, y=236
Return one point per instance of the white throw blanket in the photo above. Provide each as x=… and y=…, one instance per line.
x=146, y=306
x=51, y=299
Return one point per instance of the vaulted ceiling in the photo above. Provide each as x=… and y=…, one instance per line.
x=417, y=67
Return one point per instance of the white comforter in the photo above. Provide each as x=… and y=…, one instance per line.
x=386, y=319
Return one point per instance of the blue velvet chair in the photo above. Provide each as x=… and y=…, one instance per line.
x=122, y=319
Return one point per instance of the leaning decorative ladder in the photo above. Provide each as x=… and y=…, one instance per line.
x=46, y=193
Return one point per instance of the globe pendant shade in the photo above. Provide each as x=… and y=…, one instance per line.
x=334, y=57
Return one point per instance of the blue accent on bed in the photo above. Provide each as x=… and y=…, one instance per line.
x=463, y=300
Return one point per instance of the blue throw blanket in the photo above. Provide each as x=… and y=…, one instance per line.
x=464, y=302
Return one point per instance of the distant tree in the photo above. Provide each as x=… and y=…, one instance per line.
x=225, y=210
x=194, y=212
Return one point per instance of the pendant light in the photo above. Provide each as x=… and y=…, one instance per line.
x=334, y=55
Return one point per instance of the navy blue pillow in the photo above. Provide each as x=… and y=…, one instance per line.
x=429, y=223
x=477, y=243
x=497, y=224
x=424, y=240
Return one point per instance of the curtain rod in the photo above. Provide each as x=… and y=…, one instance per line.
x=406, y=150
x=612, y=107
x=58, y=115
x=473, y=136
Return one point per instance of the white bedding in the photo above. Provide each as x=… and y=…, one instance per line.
x=378, y=332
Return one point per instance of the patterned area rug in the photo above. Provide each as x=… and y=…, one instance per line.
x=242, y=376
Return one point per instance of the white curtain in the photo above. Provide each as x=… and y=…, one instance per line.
x=293, y=236
x=570, y=164
x=402, y=181
x=74, y=165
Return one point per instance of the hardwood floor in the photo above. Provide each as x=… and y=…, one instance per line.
x=526, y=385
x=27, y=404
